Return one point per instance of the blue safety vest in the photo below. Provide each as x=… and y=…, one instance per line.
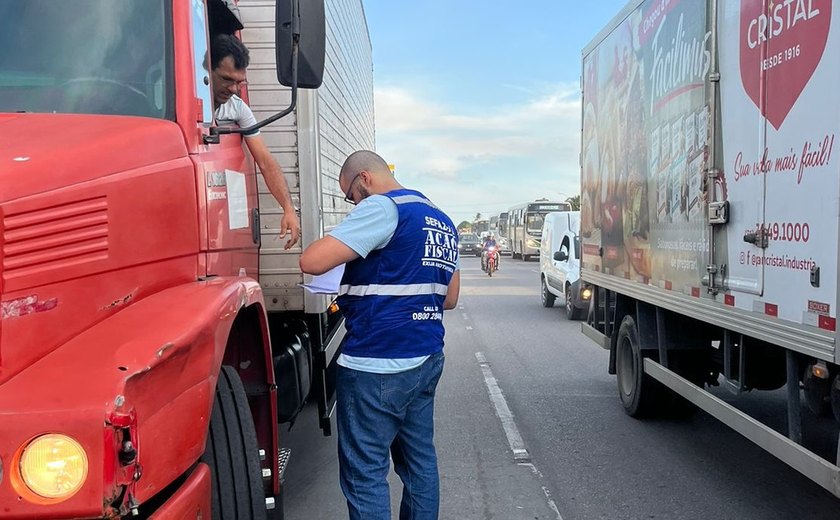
x=393, y=299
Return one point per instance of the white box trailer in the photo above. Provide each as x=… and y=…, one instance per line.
x=710, y=215
x=310, y=144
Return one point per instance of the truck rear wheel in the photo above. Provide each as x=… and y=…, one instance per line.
x=232, y=453
x=546, y=297
x=640, y=394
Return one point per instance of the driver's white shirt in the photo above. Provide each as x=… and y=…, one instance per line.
x=236, y=112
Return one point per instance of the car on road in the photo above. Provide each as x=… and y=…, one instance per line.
x=560, y=264
x=468, y=243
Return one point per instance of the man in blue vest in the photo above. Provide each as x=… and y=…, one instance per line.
x=401, y=256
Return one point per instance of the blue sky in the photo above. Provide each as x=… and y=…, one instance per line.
x=478, y=102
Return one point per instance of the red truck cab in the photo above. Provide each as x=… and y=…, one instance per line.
x=133, y=334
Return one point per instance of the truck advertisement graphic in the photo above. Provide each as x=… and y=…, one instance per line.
x=645, y=134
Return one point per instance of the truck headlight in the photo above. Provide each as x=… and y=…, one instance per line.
x=53, y=466
x=586, y=293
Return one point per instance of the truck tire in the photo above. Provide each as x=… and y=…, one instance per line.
x=640, y=394
x=572, y=312
x=546, y=297
x=232, y=453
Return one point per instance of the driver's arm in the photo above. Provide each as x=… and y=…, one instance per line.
x=276, y=183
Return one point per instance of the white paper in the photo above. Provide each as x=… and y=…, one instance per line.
x=327, y=283
x=237, y=197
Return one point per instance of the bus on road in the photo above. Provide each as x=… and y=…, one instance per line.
x=502, y=225
x=481, y=227
x=525, y=222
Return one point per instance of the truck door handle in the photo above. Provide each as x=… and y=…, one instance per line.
x=255, y=226
x=757, y=238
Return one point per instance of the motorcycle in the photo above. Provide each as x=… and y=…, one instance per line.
x=491, y=261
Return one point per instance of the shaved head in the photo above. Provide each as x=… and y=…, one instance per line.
x=363, y=160
x=364, y=173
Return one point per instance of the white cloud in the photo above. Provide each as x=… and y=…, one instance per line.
x=437, y=148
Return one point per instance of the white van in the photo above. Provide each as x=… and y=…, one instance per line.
x=560, y=264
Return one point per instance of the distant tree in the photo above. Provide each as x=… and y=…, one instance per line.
x=575, y=202
x=464, y=227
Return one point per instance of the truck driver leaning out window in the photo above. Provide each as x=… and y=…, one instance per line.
x=229, y=59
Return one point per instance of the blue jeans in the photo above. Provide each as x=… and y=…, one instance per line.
x=378, y=413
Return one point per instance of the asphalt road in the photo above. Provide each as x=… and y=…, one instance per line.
x=584, y=458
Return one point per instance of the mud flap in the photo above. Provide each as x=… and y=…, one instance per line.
x=323, y=390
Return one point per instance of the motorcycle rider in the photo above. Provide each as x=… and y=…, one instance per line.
x=489, y=241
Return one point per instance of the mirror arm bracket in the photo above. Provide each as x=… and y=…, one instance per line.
x=216, y=131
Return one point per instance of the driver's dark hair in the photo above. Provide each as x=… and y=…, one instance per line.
x=224, y=45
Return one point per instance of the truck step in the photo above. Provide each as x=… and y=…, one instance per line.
x=282, y=462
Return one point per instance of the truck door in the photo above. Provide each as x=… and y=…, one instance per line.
x=743, y=137
x=789, y=80
x=229, y=190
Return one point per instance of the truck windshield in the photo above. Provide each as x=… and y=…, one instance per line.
x=85, y=57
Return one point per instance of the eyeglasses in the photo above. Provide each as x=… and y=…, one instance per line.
x=348, y=197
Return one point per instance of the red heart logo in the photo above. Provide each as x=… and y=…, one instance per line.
x=782, y=42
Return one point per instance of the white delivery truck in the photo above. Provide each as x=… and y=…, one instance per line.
x=710, y=216
x=560, y=264
x=310, y=144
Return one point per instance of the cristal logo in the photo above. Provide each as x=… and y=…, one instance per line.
x=782, y=42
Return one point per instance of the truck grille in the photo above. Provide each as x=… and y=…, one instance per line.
x=47, y=239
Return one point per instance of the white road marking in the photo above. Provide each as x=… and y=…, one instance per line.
x=464, y=315
x=535, y=271
x=551, y=503
x=469, y=328
x=517, y=445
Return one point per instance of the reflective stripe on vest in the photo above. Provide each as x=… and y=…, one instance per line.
x=393, y=290
x=408, y=199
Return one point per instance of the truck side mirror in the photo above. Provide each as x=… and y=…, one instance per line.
x=304, y=20
x=561, y=256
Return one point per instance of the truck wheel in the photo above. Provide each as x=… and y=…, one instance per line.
x=232, y=453
x=572, y=312
x=639, y=393
x=546, y=297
